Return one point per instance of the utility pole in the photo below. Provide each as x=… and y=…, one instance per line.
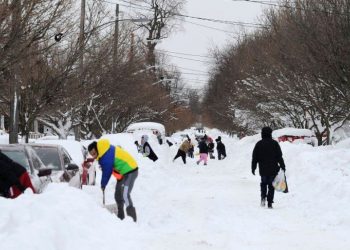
x=77, y=131
x=116, y=34
x=115, y=50
x=13, y=78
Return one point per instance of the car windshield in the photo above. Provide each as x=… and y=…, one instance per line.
x=18, y=156
x=49, y=156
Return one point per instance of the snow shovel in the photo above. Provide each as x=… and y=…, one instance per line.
x=112, y=208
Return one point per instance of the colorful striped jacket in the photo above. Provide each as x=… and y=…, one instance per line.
x=113, y=158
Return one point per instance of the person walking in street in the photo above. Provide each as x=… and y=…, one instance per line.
x=191, y=151
x=268, y=154
x=211, y=146
x=203, y=151
x=185, y=146
x=146, y=149
x=220, y=147
x=159, y=137
x=117, y=162
x=138, y=146
x=14, y=178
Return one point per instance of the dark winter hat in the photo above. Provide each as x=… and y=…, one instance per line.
x=218, y=139
x=266, y=132
x=92, y=145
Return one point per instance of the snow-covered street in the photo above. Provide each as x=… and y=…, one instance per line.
x=194, y=207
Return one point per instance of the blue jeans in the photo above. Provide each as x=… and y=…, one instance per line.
x=266, y=182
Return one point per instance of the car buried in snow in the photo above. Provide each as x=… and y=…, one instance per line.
x=58, y=159
x=74, y=152
x=295, y=135
x=39, y=174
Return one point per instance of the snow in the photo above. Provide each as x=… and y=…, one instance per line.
x=193, y=207
x=4, y=138
x=344, y=143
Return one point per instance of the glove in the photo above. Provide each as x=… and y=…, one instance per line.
x=253, y=171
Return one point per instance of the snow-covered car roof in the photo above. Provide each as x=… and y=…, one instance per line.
x=146, y=126
x=292, y=132
x=74, y=148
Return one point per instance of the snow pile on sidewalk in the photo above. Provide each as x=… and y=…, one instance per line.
x=194, y=207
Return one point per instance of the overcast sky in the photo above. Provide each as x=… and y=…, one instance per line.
x=189, y=47
x=195, y=39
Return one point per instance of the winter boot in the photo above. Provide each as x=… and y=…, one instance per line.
x=263, y=202
x=269, y=205
x=131, y=211
x=121, y=214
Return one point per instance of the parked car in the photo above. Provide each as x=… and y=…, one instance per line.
x=295, y=135
x=156, y=128
x=78, y=153
x=58, y=159
x=25, y=155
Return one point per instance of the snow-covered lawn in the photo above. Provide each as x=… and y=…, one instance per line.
x=194, y=207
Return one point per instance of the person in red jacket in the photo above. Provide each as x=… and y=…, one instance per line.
x=14, y=178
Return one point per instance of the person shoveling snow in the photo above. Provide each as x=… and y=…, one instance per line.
x=115, y=160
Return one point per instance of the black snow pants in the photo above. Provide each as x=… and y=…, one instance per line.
x=266, y=182
x=182, y=154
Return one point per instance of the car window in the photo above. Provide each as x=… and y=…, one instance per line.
x=19, y=157
x=49, y=156
x=66, y=158
x=34, y=158
x=36, y=162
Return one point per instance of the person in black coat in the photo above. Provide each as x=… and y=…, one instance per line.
x=146, y=149
x=220, y=147
x=14, y=178
x=267, y=152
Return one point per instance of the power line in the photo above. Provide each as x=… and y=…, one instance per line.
x=243, y=24
x=291, y=7
x=190, y=59
x=260, y=2
x=136, y=6
x=209, y=27
x=172, y=52
x=195, y=70
x=189, y=73
x=251, y=25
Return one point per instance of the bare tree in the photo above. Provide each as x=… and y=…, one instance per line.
x=293, y=73
x=163, y=16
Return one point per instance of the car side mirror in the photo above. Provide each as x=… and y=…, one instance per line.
x=72, y=166
x=44, y=172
